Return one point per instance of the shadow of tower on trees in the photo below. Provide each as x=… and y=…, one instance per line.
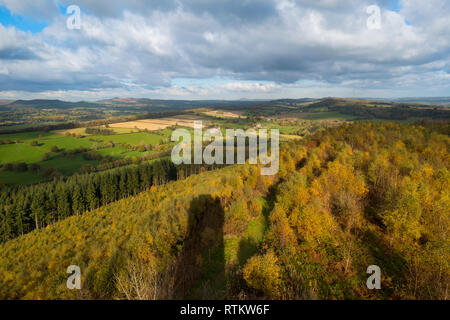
x=200, y=271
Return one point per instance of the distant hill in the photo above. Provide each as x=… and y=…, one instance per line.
x=358, y=109
x=49, y=104
x=129, y=102
x=445, y=101
x=5, y=102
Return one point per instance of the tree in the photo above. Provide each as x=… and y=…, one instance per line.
x=51, y=173
x=86, y=168
x=34, y=167
x=54, y=149
x=91, y=196
x=37, y=208
x=63, y=201
x=46, y=157
x=262, y=273
x=6, y=225
x=20, y=167
x=77, y=200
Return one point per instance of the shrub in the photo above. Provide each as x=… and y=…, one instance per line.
x=46, y=157
x=51, y=173
x=7, y=167
x=54, y=149
x=20, y=167
x=34, y=167
x=262, y=273
x=87, y=168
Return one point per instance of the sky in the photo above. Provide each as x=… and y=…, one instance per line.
x=224, y=49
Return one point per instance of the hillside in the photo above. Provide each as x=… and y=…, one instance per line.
x=351, y=109
x=345, y=198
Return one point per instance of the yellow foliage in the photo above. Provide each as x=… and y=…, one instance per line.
x=262, y=273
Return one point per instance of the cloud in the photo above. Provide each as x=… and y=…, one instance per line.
x=249, y=87
x=263, y=47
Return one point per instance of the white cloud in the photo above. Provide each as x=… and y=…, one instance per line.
x=249, y=87
x=266, y=48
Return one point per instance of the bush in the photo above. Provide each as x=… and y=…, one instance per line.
x=87, y=168
x=100, y=131
x=237, y=216
x=51, y=173
x=55, y=149
x=46, y=157
x=91, y=156
x=34, y=167
x=20, y=167
x=7, y=167
x=262, y=273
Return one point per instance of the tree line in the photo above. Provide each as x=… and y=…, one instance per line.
x=26, y=208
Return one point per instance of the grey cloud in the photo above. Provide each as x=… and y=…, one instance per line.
x=38, y=9
x=17, y=54
x=152, y=42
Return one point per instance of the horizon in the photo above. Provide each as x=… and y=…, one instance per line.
x=393, y=99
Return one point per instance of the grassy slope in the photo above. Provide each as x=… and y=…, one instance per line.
x=34, y=265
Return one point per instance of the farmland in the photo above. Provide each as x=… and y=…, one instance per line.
x=30, y=157
x=34, y=156
x=158, y=124
x=68, y=154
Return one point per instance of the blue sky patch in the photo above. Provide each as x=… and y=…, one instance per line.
x=22, y=23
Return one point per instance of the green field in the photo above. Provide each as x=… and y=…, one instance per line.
x=119, y=152
x=21, y=149
x=19, y=177
x=68, y=166
x=24, y=152
x=65, y=142
x=21, y=152
x=65, y=166
x=137, y=138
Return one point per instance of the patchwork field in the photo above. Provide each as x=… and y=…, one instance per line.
x=225, y=114
x=21, y=152
x=158, y=124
